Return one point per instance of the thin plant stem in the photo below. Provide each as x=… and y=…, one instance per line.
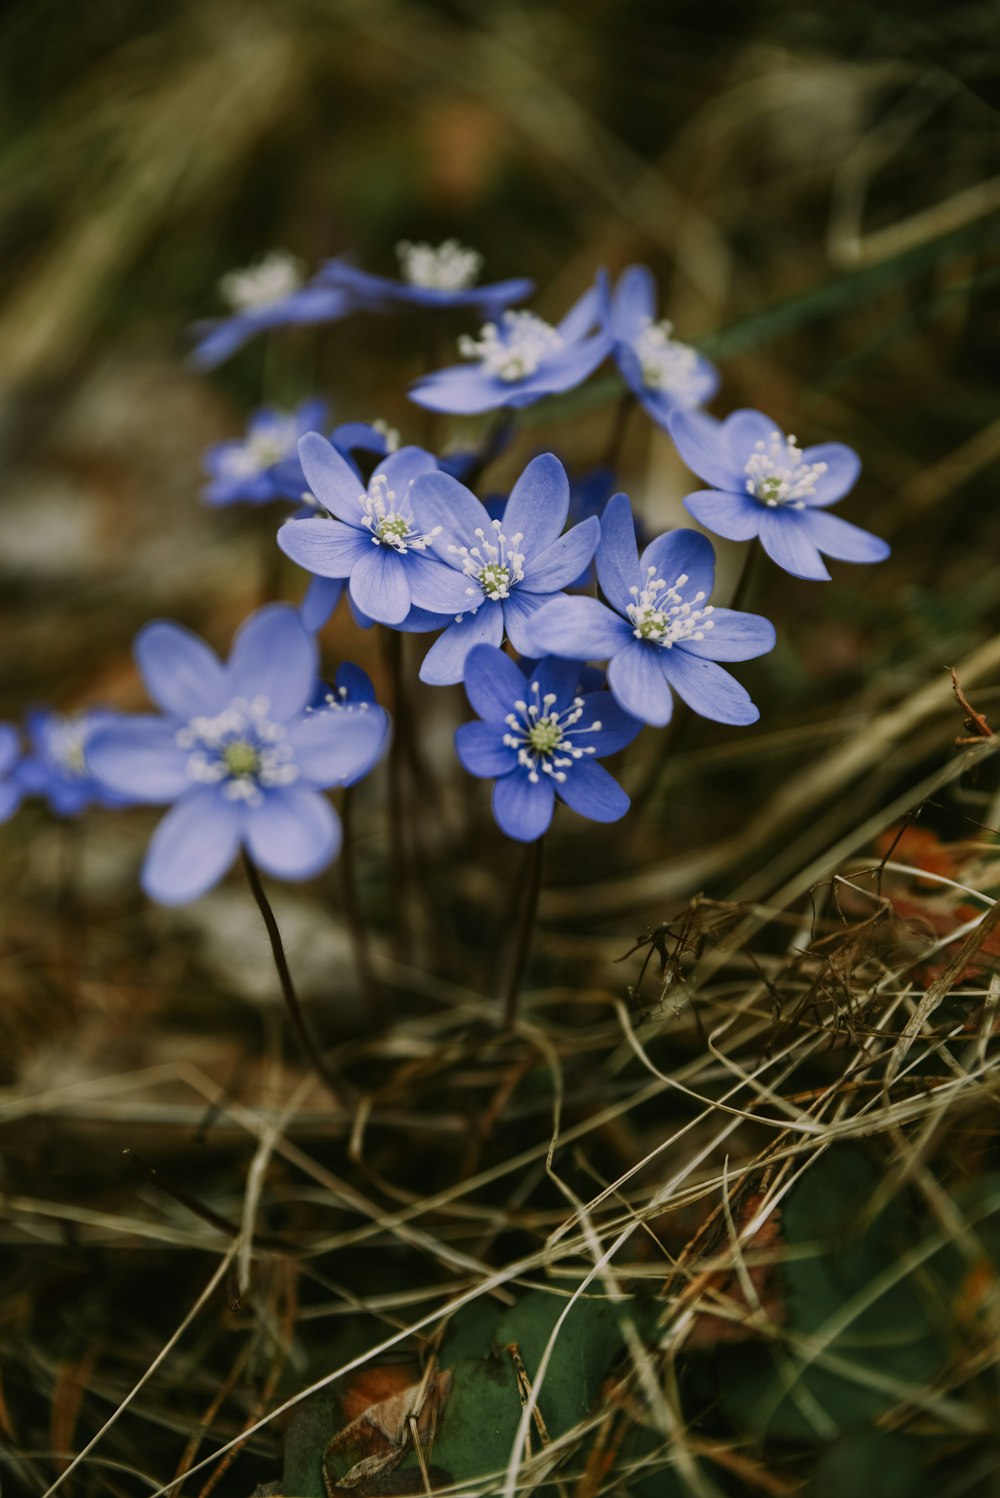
x=619, y=426
x=370, y=991
x=399, y=861
x=747, y=578
x=295, y=1013
x=531, y=880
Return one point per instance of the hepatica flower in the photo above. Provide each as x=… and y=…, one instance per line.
x=540, y=738
x=352, y=692
x=263, y=465
x=57, y=765
x=268, y=294
x=663, y=373
x=443, y=275
x=764, y=485
x=517, y=359
x=238, y=753
x=508, y=566
x=10, y=786
x=374, y=539
x=660, y=634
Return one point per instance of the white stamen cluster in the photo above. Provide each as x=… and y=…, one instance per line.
x=241, y=750
x=513, y=348
x=543, y=738
x=272, y=442
x=660, y=613
x=336, y=698
x=776, y=474
x=444, y=267
x=391, y=434
x=66, y=741
x=269, y=279
x=389, y=525
x=496, y=563
x=666, y=364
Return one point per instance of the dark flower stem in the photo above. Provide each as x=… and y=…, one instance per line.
x=295, y=1014
x=747, y=578
x=370, y=991
x=531, y=881
x=399, y=750
x=619, y=426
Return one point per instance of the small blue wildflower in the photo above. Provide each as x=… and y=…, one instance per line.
x=518, y=359
x=57, y=763
x=764, y=485
x=662, y=373
x=268, y=294
x=660, y=634
x=11, y=789
x=352, y=692
x=539, y=739
x=263, y=465
x=432, y=276
x=238, y=752
x=374, y=539
x=509, y=566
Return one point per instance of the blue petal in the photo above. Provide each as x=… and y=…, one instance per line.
x=331, y=478
x=322, y=597
x=519, y=611
x=838, y=538
x=734, y=636
x=786, y=540
x=569, y=367
x=462, y=389
x=10, y=799
x=735, y=516
x=436, y=587
x=593, y=793
x=218, y=340
x=293, y=833
x=326, y=548
x=380, y=585
x=618, y=552
x=402, y=467
x=634, y=301
x=636, y=678
x=139, y=757
x=275, y=656
x=355, y=682
x=522, y=809
x=192, y=847
x=742, y=430
x=558, y=676
x=581, y=317
x=579, y=628
x=539, y=502
x=337, y=746
x=618, y=728
x=558, y=564
x=698, y=391
x=678, y=553
x=445, y=662
x=700, y=441
x=437, y=499
x=706, y=688
x=492, y=683
x=181, y=673
x=842, y=469
x=481, y=750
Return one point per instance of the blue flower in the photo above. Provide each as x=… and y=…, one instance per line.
x=267, y=294
x=10, y=785
x=660, y=634
x=263, y=465
x=352, y=692
x=374, y=539
x=538, y=739
x=662, y=373
x=518, y=359
x=237, y=752
x=57, y=764
x=764, y=485
x=432, y=276
x=509, y=566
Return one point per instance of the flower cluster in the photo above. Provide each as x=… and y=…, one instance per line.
x=527, y=593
